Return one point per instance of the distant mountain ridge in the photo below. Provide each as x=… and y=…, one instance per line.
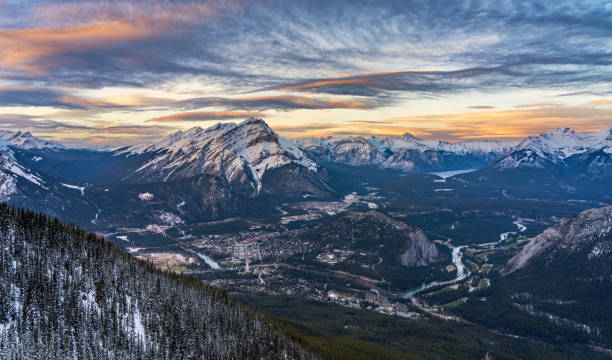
x=555, y=162
x=25, y=140
x=555, y=147
x=234, y=169
x=406, y=153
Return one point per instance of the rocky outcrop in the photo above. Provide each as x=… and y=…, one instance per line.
x=584, y=239
x=373, y=231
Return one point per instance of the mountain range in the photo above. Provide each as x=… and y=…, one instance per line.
x=406, y=153
x=239, y=169
x=557, y=162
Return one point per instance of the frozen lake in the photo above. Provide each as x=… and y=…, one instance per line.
x=447, y=174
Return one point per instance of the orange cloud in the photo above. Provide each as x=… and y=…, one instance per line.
x=480, y=107
x=85, y=26
x=537, y=105
x=205, y=116
x=506, y=124
x=19, y=49
x=601, y=102
x=495, y=124
x=390, y=80
x=135, y=100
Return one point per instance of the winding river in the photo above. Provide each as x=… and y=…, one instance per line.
x=462, y=273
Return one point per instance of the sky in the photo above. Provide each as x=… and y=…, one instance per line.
x=111, y=73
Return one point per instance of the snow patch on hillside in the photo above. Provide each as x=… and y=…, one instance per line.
x=146, y=196
x=74, y=187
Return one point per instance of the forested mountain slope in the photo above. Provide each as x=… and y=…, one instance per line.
x=66, y=293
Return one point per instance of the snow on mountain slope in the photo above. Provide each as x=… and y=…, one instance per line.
x=27, y=141
x=392, y=145
x=406, y=153
x=241, y=153
x=11, y=171
x=355, y=151
x=554, y=147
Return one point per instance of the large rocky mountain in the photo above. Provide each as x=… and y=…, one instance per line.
x=68, y=294
x=194, y=175
x=579, y=246
x=406, y=153
x=242, y=154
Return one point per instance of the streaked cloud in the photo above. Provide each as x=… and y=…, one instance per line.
x=34, y=123
x=98, y=63
x=480, y=107
x=300, y=129
x=44, y=96
x=372, y=84
x=275, y=102
x=537, y=105
x=205, y=116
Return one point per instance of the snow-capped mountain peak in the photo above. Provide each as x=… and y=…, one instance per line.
x=240, y=153
x=563, y=142
x=409, y=137
x=406, y=152
x=27, y=141
x=555, y=147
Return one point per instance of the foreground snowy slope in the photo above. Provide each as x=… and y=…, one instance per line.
x=68, y=294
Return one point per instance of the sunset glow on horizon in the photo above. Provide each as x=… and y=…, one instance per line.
x=120, y=72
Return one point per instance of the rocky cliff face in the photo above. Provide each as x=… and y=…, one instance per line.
x=584, y=240
x=420, y=252
x=396, y=242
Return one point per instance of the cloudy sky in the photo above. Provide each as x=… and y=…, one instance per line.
x=118, y=72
